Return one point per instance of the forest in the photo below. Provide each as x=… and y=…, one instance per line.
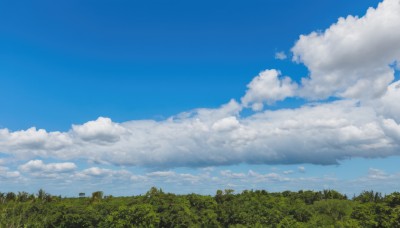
x=250, y=208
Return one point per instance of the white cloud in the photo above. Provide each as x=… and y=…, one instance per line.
x=226, y=124
x=317, y=133
x=392, y=129
x=38, y=166
x=375, y=179
x=352, y=57
x=6, y=174
x=389, y=105
x=162, y=174
x=102, y=130
x=257, y=177
x=96, y=172
x=230, y=174
x=268, y=87
x=377, y=174
x=280, y=55
x=208, y=116
x=38, y=140
x=301, y=169
x=287, y=172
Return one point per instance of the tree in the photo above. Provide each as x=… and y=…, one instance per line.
x=333, y=210
x=23, y=196
x=142, y=215
x=41, y=194
x=97, y=196
x=11, y=196
x=393, y=200
x=369, y=196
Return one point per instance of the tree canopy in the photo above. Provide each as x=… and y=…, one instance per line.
x=250, y=208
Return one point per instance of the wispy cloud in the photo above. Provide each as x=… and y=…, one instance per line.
x=280, y=55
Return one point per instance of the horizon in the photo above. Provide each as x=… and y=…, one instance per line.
x=192, y=97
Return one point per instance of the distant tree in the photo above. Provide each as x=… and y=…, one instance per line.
x=23, y=196
x=332, y=194
x=393, y=200
x=96, y=196
x=2, y=197
x=369, y=196
x=250, y=208
x=11, y=196
x=41, y=195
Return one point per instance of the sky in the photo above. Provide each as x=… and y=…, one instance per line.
x=195, y=96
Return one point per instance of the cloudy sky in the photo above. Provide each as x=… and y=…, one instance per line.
x=195, y=96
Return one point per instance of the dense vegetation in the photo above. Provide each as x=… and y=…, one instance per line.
x=326, y=208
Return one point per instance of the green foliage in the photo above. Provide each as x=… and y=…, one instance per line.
x=97, y=196
x=369, y=196
x=393, y=200
x=250, y=208
x=142, y=215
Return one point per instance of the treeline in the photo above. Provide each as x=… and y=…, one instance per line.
x=258, y=208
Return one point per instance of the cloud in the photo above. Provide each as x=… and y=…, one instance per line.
x=321, y=133
x=287, y=172
x=377, y=174
x=6, y=174
x=36, y=139
x=280, y=55
x=301, y=169
x=161, y=174
x=100, y=172
x=257, y=177
x=351, y=58
x=268, y=87
x=226, y=124
x=375, y=179
x=388, y=105
x=38, y=166
x=230, y=174
x=103, y=130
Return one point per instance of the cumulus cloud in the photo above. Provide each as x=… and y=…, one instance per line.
x=318, y=133
x=103, y=130
x=389, y=105
x=38, y=140
x=38, y=166
x=226, y=124
x=351, y=58
x=268, y=87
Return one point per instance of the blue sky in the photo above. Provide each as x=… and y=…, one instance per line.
x=69, y=62
x=140, y=92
